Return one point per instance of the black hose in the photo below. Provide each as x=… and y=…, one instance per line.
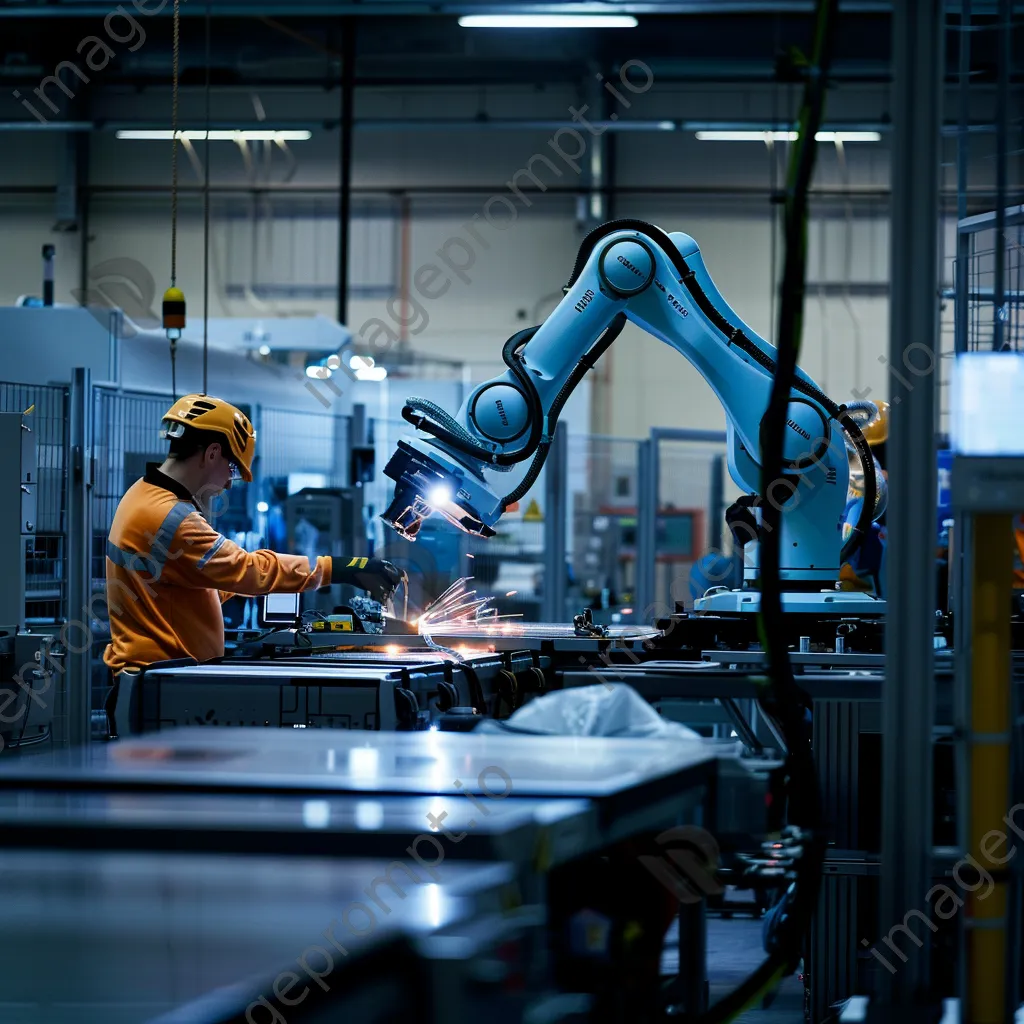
x=579, y=371
x=735, y=336
x=416, y=411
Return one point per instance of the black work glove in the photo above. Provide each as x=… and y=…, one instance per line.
x=374, y=575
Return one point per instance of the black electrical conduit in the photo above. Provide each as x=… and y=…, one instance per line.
x=734, y=336
x=447, y=430
x=780, y=697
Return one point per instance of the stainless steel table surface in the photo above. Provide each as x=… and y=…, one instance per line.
x=531, y=834
x=632, y=783
x=120, y=938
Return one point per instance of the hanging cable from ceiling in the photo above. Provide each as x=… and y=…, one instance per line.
x=206, y=210
x=174, y=298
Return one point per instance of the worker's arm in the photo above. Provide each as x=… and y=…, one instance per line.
x=1018, y=561
x=201, y=557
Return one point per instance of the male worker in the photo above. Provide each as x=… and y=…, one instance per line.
x=169, y=570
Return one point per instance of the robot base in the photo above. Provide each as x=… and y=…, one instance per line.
x=823, y=603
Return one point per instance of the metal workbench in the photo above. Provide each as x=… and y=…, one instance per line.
x=122, y=938
x=358, y=689
x=634, y=785
x=532, y=835
x=541, y=804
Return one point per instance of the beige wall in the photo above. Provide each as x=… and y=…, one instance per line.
x=518, y=269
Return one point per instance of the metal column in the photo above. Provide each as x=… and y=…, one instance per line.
x=908, y=710
x=556, y=489
x=646, y=526
x=691, y=998
x=717, y=509
x=963, y=150
x=999, y=311
x=348, y=78
x=78, y=662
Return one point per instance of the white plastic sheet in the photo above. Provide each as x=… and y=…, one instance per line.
x=600, y=710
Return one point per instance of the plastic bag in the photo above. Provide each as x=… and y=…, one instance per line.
x=600, y=710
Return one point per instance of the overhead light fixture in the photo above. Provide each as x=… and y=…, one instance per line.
x=730, y=136
x=377, y=373
x=262, y=507
x=666, y=126
x=264, y=350
x=742, y=136
x=547, y=21
x=317, y=372
x=218, y=135
x=848, y=137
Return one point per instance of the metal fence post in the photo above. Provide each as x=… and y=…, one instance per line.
x=908, y=704
x=556, y=490
x=646, y=529
x=78, y=678
x=717, y=504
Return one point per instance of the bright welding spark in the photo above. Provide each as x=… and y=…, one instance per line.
x=391, y=650
x=470, y=556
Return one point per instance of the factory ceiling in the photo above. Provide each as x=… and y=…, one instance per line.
x=403, y=43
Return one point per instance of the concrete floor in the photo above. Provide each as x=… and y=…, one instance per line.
x=734, y=950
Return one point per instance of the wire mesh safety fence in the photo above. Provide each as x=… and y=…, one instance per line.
x=45, y=408
x=126, y=436
x=692, y=488
x=987, y=316
x=602, y=542
x=988, y=279
x=308, y=447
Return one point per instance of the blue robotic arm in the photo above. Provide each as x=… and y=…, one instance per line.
x=635, y=271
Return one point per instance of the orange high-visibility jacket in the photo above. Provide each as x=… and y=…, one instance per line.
x=169, y=571
x=1018, y=553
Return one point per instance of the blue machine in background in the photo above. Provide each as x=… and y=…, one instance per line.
x=944, y=503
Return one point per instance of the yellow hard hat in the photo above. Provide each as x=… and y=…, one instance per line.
x=204, y=412
x=873, y=420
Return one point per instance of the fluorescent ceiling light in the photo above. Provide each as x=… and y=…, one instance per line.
x=848, y=137
x=377, y=373
x=361, y=362
x=318, y=372
x=666, y=126
x=218, y=135
x=746, y=136
x=547, y=21
x=736, y=136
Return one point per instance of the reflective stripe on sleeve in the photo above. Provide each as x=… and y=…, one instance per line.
x=214, y=548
